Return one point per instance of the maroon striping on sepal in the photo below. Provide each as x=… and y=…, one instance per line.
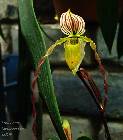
x=72, y=24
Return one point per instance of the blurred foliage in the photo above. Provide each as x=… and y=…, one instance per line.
x=120, y=37
x=108, y=15
x=107, y=12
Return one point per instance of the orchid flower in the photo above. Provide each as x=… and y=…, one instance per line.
x=74, y=44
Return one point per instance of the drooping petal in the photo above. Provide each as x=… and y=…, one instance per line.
x=74, y=53
x=71, y=23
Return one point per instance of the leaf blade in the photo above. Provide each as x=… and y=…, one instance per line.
x=120, y=38
x=33, y=35
x=107, y=13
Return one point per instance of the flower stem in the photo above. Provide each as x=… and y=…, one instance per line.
x=105, y=125
x=95, y=93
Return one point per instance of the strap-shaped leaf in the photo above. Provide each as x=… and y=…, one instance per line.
x=34, y=38
x=120, y=37
x=107, y=12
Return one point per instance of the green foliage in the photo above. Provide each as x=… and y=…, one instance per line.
x=33, y=35
x=108, y=16
x=107, y=12
x=120, y=37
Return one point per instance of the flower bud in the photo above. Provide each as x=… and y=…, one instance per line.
x=67, y=129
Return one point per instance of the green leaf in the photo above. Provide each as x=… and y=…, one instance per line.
x=33, y=35
x=107, y=12
x=120, y=38
x=84, y=138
